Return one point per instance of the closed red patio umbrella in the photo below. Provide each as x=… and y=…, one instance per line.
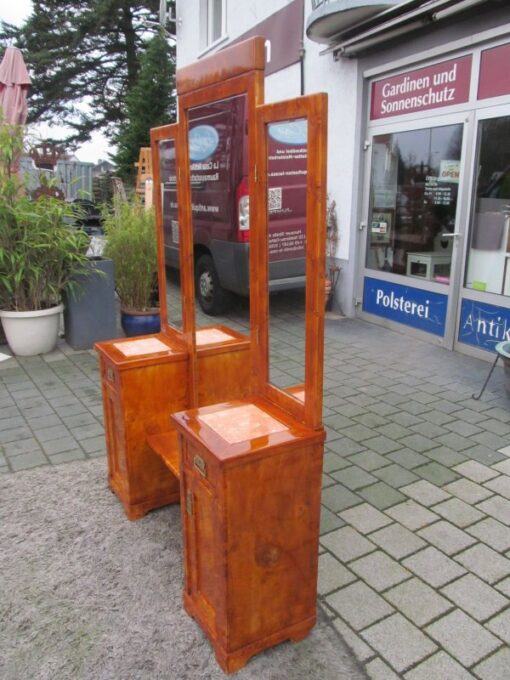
x=14, y=84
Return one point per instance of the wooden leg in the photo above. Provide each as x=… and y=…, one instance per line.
x=134, y=513
x=231, y=663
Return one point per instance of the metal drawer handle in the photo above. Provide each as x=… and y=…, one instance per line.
x=109, y=373
x=200, y=465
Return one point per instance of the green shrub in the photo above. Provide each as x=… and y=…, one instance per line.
x=40, y=255
x=130, y=231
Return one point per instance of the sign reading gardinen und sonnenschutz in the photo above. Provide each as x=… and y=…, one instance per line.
x=443, y=84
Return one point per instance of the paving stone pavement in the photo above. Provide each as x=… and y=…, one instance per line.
x=414, y=565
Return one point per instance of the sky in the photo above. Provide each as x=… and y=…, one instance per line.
x=15, y=12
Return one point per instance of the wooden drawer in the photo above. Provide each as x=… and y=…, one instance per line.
x=110, y=374
x=200, y=463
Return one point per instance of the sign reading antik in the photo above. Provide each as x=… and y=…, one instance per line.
x=483, y=325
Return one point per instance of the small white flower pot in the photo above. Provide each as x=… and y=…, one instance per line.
x=31, y=333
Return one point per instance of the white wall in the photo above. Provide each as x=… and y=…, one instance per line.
x=241, y=16
x=338, y=79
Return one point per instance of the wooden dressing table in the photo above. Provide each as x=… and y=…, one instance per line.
x=194, y=413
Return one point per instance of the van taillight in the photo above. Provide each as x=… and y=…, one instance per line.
x=243, y=211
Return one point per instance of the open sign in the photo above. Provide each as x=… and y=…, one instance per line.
x=449, y=171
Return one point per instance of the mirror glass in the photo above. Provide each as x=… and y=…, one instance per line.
x=287, y=170
x=218, y=148
x=171, y=235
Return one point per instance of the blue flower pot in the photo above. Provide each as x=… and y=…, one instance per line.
x=140, y=323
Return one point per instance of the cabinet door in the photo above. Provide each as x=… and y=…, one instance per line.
x=203, y=548
x=114, y=429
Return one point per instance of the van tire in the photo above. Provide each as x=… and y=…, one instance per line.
x=212, y=298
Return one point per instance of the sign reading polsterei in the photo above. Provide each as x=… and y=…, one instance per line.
x=420, y=309
x=443, y=84
x=483, y=325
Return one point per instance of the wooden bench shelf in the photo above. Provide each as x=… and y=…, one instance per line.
x=166, y=446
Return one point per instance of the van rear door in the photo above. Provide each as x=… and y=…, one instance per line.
x=287, y=168
x=215, y=147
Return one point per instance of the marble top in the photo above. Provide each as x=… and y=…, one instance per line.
x=134, y=348
x=208, y=336
x=241, y=423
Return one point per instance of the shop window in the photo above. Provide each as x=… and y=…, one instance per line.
x=489, y=253
x=213, y=19
x=413, y=202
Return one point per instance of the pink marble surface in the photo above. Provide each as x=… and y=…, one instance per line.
x=134, y=348
x=242, y=423
x=208, y=336
x=299, y=395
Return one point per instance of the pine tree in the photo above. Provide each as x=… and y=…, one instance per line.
x=84, y=57
x=151, y=102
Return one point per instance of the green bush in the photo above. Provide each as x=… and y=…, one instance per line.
x=40, y=255
x=130, y=231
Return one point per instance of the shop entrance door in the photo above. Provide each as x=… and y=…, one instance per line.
x=409, y=255
x=484, y=314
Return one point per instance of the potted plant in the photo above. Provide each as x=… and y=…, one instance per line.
x=40, y=255
x=130, y=230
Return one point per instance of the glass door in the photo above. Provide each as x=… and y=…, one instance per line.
x=411, y=233
x=484, y=314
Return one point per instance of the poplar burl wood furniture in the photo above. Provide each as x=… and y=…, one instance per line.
x=143, y=379
x=251, y=481
x=146, y=379
x=251, y=469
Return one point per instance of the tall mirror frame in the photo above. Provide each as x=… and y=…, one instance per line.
x=313, y=108
x=237, y=70
x=158, y=135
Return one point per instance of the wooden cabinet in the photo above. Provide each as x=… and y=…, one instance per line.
x=139, y=392
x=251, y=479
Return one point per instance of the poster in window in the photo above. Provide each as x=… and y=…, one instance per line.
x=381, y=226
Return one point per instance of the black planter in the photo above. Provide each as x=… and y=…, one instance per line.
x=90, y=312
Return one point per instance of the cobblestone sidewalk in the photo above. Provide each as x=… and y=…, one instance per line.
x=415, y=538
x=415, y=534
x=50, y=409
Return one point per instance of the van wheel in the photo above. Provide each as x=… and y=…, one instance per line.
x=213, y=299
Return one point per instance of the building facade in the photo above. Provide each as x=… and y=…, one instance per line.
x=419, y=147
